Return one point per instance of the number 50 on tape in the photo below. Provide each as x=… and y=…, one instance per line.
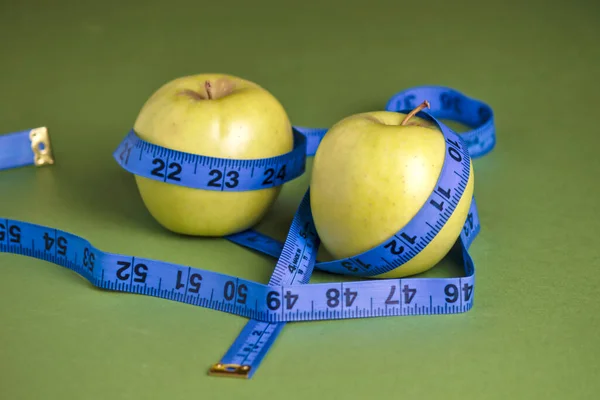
x=287, y=297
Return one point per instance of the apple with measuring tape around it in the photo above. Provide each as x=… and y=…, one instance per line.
x=371, y=174
x=216, y=115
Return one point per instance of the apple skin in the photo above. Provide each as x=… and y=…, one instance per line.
x=370, y=177
x=241, y=120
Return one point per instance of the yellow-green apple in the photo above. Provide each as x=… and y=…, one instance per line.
x=371, y=174
x=215, y=115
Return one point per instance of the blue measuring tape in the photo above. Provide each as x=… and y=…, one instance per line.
x=287, y=297
x=25, y=148
x=210, y=173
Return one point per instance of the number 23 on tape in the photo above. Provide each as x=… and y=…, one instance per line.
x=287, y=297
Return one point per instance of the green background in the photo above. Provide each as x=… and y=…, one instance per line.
x=84, y=70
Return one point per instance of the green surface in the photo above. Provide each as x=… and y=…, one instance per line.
x=85, y=70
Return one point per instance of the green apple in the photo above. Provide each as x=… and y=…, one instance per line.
x=215, y=115
x=371, y=174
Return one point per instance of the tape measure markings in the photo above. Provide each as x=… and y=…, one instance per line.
x=210, y=173
x=202, y=287
x=447, y=103
x=246, y=352
x=429, y=220
x=293, y=267
x=238, y=361
x=287, y=297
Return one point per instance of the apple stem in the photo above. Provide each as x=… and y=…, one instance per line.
x=421, y=106
x=208, y=88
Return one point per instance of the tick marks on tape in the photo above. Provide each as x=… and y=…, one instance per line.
x=287, y=297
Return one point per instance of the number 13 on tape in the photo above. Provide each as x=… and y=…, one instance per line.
x=287, y=297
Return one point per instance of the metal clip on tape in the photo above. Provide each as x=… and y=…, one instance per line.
x=287, y=297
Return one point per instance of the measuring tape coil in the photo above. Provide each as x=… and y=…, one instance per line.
x=286, y=297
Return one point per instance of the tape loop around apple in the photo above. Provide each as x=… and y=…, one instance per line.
x=287, y=297
x=149, y=160
x=400, y=248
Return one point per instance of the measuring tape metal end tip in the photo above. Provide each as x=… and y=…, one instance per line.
x=287, y=297
x=41, y=147
x=230, y=370
x=25, y=148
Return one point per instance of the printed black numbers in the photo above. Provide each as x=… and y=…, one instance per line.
x=48, y=241
x=454, y=150
x=193, y=282
x=390, y=299
x=362, y=264
x=333, y=297
x=229, y=292
x=61, y=244
x=231, y=179
x=290, y=300
x=216, y=181
x=453, y=294
x=409, y=239
x=444, y=194
x=394, y=247
x=88, y=259
x=467, y=292
x=174, y=175
x=274, y=300
x=270, y=173
x=140, y=272
x=159, y=171
x=14, y=233
x=348, y=265
x=349, y=297
x=450, y=102
x=269, y=176
x=408, y=292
